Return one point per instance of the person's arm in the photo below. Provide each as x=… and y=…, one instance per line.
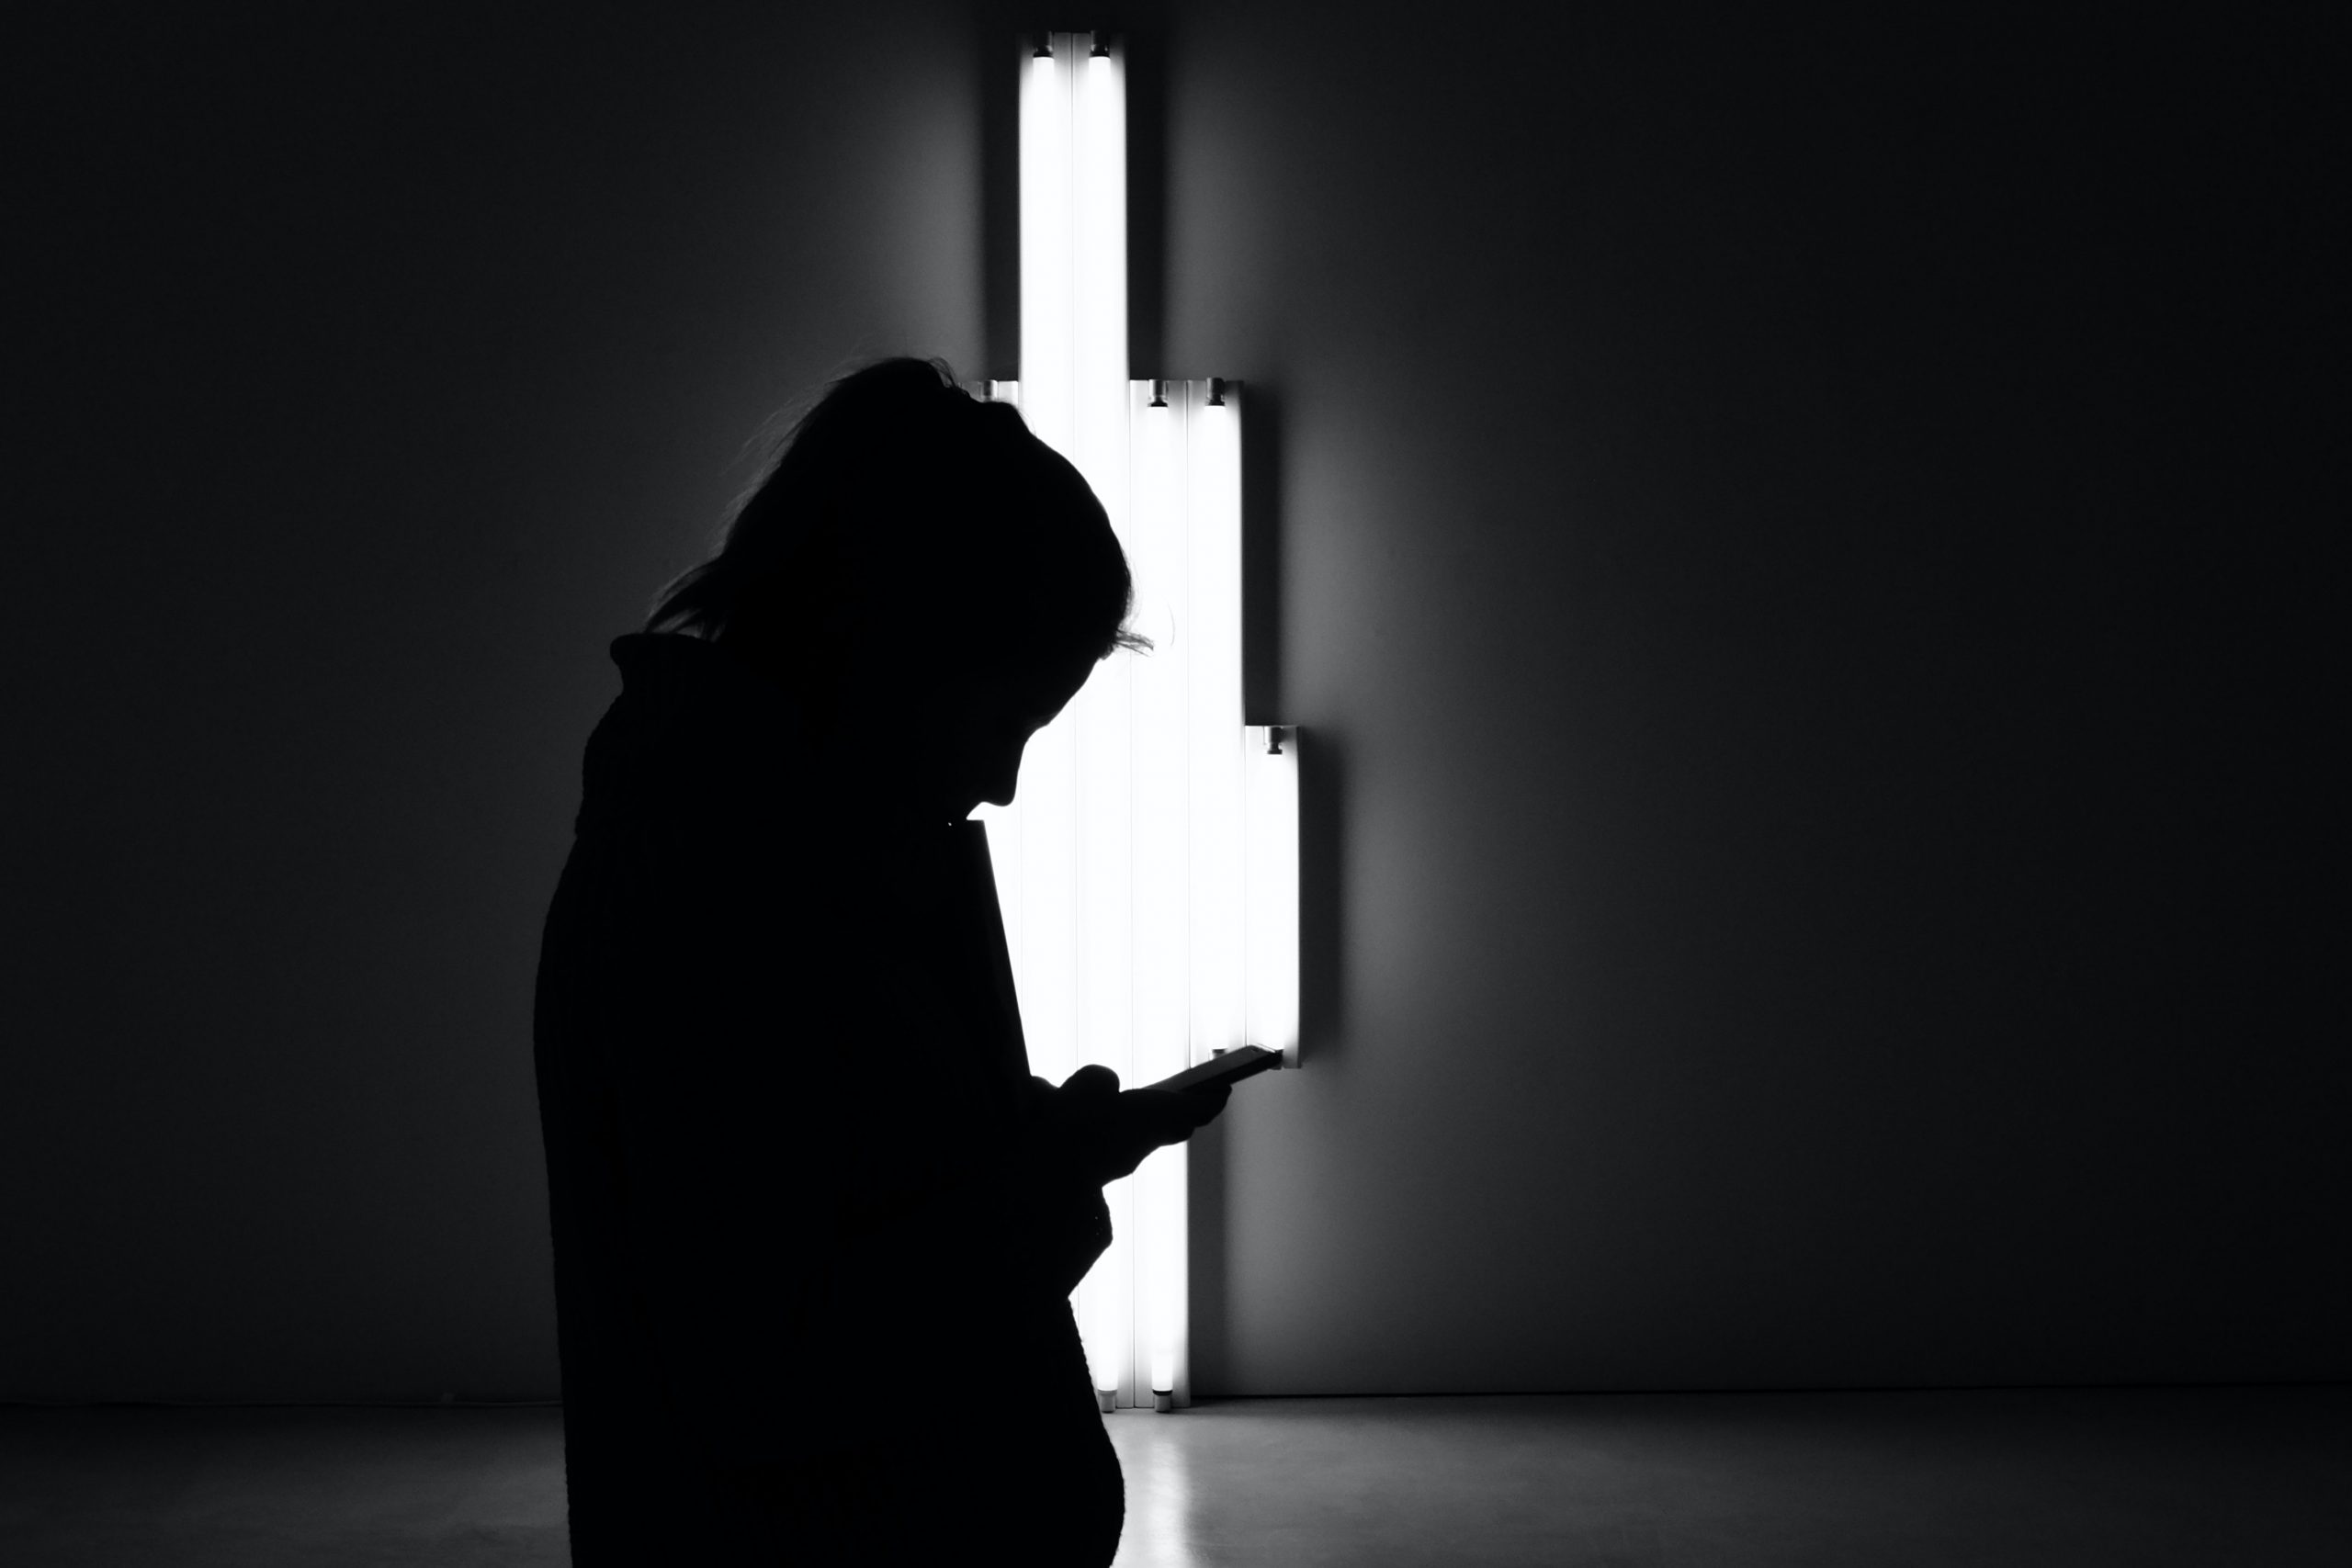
x=1094, y=1131
x=814, y=1188
x=1013, y=1216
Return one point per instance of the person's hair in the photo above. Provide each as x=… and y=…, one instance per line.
x=958, y=525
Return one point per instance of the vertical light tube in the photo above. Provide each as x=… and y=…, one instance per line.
x=1104, y=819
x=1213, y=486
x=1160, y=736
x=1047, y=791
x=1162, y=873
x=1270, y=874
x=1102, y=731
x=1162, y=1313
x=1048, y=977
x=1097, y=294
x=1098, y=446
x=1046, y=180
x=1035, y=839
x=1107, y=1304
x=1003, y=822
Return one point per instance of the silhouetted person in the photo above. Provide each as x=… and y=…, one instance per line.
x=816, y=1225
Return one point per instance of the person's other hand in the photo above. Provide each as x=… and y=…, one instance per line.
x=1108, y=1131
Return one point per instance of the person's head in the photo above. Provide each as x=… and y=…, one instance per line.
x=913, y=556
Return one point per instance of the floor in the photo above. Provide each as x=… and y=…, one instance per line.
x=2210, y=1477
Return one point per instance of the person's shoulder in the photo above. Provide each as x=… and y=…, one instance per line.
x=695, y=733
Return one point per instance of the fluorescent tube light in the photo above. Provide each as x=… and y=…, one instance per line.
x=1047, y=178
x=1147, y=864
x=1269, y=876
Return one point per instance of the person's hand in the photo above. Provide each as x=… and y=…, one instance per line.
x=1105, y=1133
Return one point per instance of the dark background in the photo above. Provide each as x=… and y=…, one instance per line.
x=1797, y=539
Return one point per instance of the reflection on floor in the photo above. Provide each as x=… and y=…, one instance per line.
x=2071, y=1479
x=2260, y=1478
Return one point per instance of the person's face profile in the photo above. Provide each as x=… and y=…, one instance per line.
x=992, y=714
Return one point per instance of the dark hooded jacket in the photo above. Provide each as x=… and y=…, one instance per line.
x=803, y=1205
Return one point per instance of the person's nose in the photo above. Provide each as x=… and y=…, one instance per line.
x=1002, y=774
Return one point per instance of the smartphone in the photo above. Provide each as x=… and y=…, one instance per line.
x=1225, y=1067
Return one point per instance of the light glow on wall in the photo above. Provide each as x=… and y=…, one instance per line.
x=1147, y=868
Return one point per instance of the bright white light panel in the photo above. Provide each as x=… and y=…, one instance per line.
x=1148, y=865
